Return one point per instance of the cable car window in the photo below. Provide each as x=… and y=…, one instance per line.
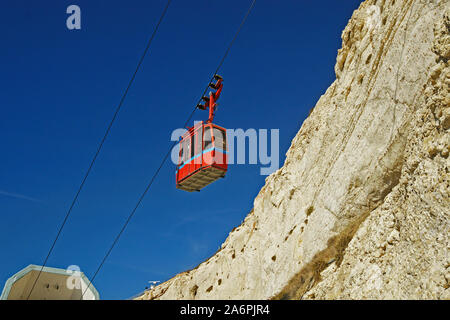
x=186, y=149
x=207, y=138
x=198, y=141
x=180, y=158
x=220, y=139
x=192, y=145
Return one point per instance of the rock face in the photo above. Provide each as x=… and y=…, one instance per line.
x=360, y=209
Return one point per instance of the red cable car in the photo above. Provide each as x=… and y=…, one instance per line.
x=203, y=148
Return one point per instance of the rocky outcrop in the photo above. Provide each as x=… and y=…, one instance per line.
x=360, y=208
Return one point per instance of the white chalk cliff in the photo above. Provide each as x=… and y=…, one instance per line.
x=361, y=207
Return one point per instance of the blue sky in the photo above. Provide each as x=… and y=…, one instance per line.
x=59, y=89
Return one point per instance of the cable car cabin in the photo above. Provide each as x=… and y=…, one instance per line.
x=202, y=158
